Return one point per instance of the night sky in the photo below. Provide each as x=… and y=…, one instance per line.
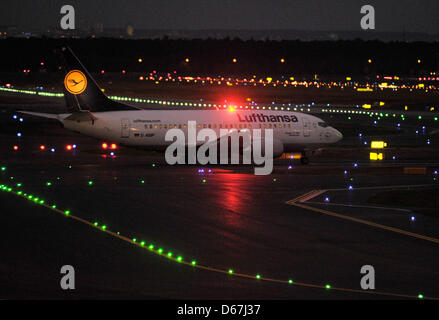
x=321, y=15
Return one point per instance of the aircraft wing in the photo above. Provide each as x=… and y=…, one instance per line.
x=76, y=116
x=40, y=114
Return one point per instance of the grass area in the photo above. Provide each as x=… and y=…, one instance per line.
x=352, y=129
x=426, y=199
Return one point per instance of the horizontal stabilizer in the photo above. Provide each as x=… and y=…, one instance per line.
x=40, y=114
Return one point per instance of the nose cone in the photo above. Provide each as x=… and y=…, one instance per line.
x=337, y=135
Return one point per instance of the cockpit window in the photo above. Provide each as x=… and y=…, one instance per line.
x=323, y=124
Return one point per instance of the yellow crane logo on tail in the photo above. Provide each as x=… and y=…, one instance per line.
x=75, y=82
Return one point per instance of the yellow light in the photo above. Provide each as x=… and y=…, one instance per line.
x=348, y=78
x=376, y=156
x=378, y=144
x=370, y=60
x=367, y=106
x=140, y=60
x=269, y=79
x=406, y=108
x=234, y=60
x=186, y=60
x=419, y=60
x=382, y=103
x=282, y=60
x=364, y=89
x=231, y=109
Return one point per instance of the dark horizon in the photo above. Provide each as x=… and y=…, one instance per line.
x=192, y=15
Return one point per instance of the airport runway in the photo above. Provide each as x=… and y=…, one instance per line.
x=221, y=217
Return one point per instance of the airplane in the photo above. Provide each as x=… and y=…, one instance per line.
x=92, y=113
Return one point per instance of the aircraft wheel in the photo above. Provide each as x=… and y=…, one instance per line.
x=304, y=160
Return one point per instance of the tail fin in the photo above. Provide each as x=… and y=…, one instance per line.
x=81, y=90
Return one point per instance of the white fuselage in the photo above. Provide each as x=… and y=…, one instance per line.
x=147, y=128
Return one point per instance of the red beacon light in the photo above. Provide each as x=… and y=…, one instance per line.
x=15, y=148
x=113, y=146
x=42, y=147
x=69, y=147
x=104, y=145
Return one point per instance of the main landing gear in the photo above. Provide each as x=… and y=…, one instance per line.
x=304, y=160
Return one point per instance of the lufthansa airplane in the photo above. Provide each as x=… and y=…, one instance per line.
x=92, y=113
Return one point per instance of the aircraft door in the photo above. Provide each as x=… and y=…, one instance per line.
x=306, y=127
x=125, y=128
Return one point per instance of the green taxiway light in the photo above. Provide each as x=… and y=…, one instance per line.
x=3, y=168
x=290, y=281
x=54, y=207
x=179, y=258
x=420, y=296
x=48, y=184
x=193, y=262
x=67, y=212
x=134, y=239
x=258, y=276
x=90, y=183
x=230, y=271
x=95, y=224
x=328, y=286
x=142, y=243
x=104, y=227
x=169, y=254
x=151, y=247
x=160, y=250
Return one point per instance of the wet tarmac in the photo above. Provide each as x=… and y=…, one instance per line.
x=221, y=217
